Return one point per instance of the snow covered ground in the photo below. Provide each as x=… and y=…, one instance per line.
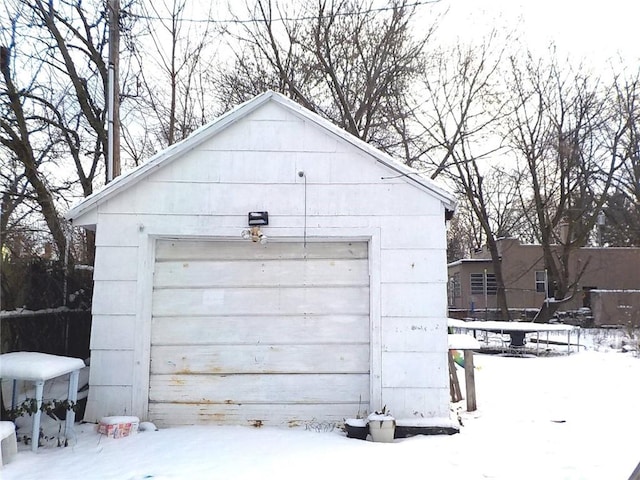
x=557, y=417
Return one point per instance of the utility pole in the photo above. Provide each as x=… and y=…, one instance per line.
x=601, y=222
x=113, y=152
x=486, y=302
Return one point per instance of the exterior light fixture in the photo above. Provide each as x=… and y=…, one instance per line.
x=258, y=218
x=253, y=233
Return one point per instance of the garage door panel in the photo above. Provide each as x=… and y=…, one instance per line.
x=246, y=389
x=269, y=273
x=263, y=334
x=260, y=329
x=255, y=301
x=207, y=250
x=231, y=359
x=167, y=414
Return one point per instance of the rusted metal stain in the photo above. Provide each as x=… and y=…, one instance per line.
x=256, y=423
x=202, y=402
x=215, y=417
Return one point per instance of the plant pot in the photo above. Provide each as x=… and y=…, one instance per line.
x=356, y=428
x=382, y=429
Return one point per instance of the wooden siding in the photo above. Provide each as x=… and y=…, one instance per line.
x=259, y=414
x=250, y=330
x=115, y=332
x=319, y=389
x=125, y=268
x=435, y=402
x=267, y=359
x=206, y=194
x=199, y=250
x=240, y=329
x=409, y=334
x=109, y=399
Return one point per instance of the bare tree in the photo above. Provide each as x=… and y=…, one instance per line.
x=349, y=61
x=170, y=83
x=53, y=102
x=622, y=211
x=17, y=137
x=463, y=233
x=14, y=203
x=460, y=116
x=569, y=143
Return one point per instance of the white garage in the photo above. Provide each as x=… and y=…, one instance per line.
x=338, y=305
x=259, y=334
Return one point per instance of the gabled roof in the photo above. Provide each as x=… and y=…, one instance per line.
x=205, y=132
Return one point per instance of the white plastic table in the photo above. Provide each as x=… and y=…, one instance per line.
x=38, y=368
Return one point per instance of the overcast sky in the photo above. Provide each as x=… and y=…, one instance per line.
x=597, y=31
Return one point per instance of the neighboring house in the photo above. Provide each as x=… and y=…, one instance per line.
x=611, y=277
x=343, y=309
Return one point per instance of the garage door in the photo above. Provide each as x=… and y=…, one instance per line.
x=274, y=334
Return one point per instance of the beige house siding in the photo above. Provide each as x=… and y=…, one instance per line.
x=608, y=268
x=616, y=307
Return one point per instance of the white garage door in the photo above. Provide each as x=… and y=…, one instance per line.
x=244, y=333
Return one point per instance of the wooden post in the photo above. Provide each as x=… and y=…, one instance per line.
x=454, y=385
x=470, y=381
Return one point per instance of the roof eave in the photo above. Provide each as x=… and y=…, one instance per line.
x=229, y=118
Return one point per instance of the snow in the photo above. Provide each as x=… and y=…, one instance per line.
x=380, y=417
x=356, y=422
x=36, y=366
x=461, y=341
x=6, y=429
x=147, y=426
x=497, y=326
x=558, y=417
x=114, y=420
x=24, y=312
x=431, y=422
x=599, y=290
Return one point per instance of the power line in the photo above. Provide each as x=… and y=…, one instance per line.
x=276, y=19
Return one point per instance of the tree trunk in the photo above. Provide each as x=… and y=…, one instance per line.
x=501, y=293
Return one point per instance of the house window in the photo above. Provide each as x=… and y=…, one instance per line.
x=492, y=284
x=456, y=290
x=478, y=282
x=541, y=281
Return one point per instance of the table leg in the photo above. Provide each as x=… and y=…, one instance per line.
x=14, y=394
x=73, y=396
x=35, y=431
